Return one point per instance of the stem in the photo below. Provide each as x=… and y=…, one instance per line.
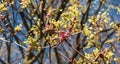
x=82, y=55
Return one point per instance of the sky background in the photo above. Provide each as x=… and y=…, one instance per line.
x=15, y=53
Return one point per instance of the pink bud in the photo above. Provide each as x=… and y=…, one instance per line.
x=65, y=35
x=69, y=29
x=48, y=15
x=1, y=16
x=62, y=36
x=23, y=0
x=103, y=52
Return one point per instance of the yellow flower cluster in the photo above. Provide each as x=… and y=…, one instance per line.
x=32, y=43
x=18, y=28
x=2, y=7
x=109, y=55
x=88, y=32
x=24, y=3
x=2, y=30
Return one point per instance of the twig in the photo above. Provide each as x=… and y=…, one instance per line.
x=81, y=54
x=2, y=61
x=64, y=55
